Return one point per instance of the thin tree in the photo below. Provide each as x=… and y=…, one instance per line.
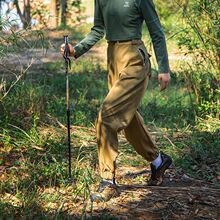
x=24, y=15
x=53, y=14
x=63, y=11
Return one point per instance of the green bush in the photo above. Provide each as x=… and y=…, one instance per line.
x=199, y=37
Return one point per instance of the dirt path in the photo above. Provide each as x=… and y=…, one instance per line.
x=180, y=197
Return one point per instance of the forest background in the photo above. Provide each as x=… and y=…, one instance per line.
x=184, y=120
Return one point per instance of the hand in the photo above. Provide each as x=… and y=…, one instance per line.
x=71, y=49
x=163, y=80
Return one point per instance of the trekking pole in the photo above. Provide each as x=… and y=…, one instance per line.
x=67, y=65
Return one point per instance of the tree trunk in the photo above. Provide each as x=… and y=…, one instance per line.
x=25, y=16
x=63, y=10
x=27, y=13
x=53, y=14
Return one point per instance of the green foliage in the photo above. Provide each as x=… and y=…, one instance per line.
x=200, y=36
x=75, y=11
x=37, y=172
x=201, y=33
x=17, y=42
x=40, y=12
x=31, y=100
x=168, y=12
x=194, y=24
x=202, y=154
x=156, y=106
x=77, y=3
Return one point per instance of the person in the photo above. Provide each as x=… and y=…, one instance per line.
x=129, y=70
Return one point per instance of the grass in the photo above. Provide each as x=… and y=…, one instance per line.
x=33, y=154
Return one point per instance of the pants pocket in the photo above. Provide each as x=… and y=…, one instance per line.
x=143, y=55
x=145, y=58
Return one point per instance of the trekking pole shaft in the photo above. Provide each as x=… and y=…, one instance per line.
x=67, y=62
x=68, y=120
x=69, y=140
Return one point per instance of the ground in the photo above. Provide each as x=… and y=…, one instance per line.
x=24, y=173
x=180, y=197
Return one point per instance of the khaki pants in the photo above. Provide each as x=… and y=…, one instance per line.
x=129, y=72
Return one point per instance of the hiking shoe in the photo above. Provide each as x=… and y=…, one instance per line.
x=157, y=174
x=105, y=192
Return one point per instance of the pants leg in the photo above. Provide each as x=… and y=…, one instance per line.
x=138, y=136
x=129, y=74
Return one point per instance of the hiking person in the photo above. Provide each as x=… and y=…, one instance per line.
x=129, y=70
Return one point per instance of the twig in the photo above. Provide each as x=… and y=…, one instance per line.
x=17, y=79
x=165, y=136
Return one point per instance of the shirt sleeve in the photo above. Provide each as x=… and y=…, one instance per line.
x=96, y=34
x=151, y=18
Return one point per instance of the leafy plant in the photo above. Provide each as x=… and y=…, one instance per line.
x=200, y=37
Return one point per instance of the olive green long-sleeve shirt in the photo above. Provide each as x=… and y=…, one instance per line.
x=122, y=20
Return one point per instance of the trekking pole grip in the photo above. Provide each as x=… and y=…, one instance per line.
x=66, y=47
x=67, y=52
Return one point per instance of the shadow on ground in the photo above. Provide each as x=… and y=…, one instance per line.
x=181, y=198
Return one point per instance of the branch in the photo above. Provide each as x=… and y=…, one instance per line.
x=17, y=79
